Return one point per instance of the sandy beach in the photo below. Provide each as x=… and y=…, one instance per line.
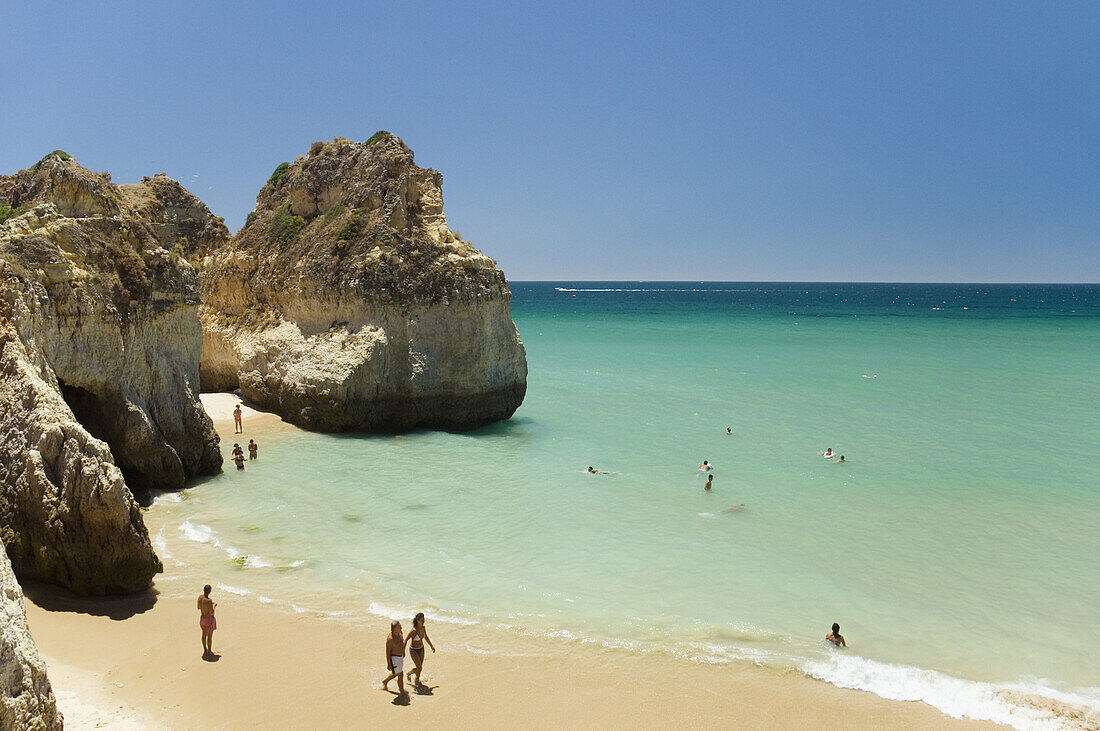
x=136, y=663
x=257, y=421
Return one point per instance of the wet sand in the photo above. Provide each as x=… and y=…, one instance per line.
x=137, y=662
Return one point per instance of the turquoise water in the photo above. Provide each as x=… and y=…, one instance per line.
x=957, y=545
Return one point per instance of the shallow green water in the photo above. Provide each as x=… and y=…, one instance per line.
x=959, y=536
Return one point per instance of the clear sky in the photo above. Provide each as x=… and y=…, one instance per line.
x=837, y=141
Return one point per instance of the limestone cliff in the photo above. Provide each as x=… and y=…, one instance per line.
x=99, y=349
x=346, y=303
x=26, y=699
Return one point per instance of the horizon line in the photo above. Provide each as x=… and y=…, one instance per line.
x=785, y=281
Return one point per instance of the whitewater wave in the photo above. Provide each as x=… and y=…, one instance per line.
x=199, y=533
x=168, y=497
x=161, y=546
x=234, y=590
x=1027, y=704
x=405, y=612
x=1030, y=705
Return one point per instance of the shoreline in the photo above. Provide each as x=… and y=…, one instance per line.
x=138, y=661
x=135, y=662
x=256, y=420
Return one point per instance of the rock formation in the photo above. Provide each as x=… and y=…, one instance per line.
x=99, y=349
x=26, y=699
x=346, y=303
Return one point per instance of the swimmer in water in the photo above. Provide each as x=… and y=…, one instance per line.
x=728, y=430
x=592, y=471
x=829, y=453
x=835, y=637
x=710, y=480
x=735, y=508
x=842, y=458
x=705, y=467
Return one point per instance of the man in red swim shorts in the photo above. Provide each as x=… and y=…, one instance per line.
x=207, y=623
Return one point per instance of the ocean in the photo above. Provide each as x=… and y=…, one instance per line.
x=957, y=545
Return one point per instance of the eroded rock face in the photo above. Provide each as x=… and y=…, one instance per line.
x=346, y=303
x=26, y=699
x=99, y=349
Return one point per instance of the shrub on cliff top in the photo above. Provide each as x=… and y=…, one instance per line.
x=58, y=153
x=280, y=174
x=377, y=137
x=315, y=148
x=285, y=226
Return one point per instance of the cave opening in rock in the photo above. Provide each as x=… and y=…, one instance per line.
x=87, y=408
x=90, y=410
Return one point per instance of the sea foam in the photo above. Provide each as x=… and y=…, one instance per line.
x=964, y=698
x=199, y=533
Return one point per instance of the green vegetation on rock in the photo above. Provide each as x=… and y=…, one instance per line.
x=332, y=213
x=7, y=211
x=350, y=230
x=377, y=137
x=280, y=174
x=285, y=226
x=58, y=153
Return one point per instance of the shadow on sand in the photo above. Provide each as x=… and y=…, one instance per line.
x=54, y=599
x=399, y=699
x=404, y=698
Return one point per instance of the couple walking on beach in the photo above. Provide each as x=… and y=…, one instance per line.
x=395, y=652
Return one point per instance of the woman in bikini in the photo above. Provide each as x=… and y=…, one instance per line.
x=416, y=639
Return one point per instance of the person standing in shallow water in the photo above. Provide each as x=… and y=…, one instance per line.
x=207, y=623
x=253, y=449
x=835, y=637
x=237, y=428
x=416, y=639
x=395, y=657
x=710, y=481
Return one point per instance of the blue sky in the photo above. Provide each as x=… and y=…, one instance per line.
x=930, y=141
